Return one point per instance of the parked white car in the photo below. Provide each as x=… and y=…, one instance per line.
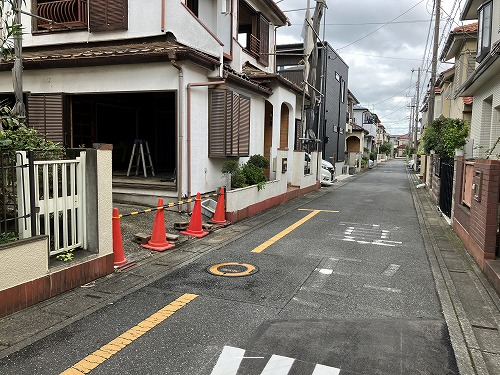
x=327, y=170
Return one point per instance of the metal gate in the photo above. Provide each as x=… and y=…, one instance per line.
x=58, y=194
x=446, y=188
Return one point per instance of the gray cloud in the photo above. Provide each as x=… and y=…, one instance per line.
x=380, y=64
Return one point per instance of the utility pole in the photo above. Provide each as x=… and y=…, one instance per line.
x=415, y=140
x=17, y=70
x=432, y=93
x=410, y=123
x=311, y=51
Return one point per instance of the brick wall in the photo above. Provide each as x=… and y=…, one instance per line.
x=31, y=292
x=477, y=226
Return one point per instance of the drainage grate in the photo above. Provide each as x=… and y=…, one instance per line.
x=232, y=269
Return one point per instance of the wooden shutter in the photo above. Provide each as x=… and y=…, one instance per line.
x=244, y=127
x=45, y=114
x=264, y=40
x=235, y=126
x=106, y=15
x=217, y=124
x=229, y=124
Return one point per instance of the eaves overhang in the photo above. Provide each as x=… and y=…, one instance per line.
x=469, y=11
x=457, y=39
x=244, y=82
x=276, y=12
x=487, y=70
x=269, y=78
x=129, y=51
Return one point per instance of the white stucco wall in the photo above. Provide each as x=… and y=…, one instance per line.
x=282, y=95
x=144, y=19
x=23, y=260
x=97, y=79
x=105, y=201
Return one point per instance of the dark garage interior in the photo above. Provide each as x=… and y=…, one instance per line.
x=121, y=118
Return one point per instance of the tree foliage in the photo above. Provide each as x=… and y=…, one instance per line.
x=9, y=27
x=386, y=148
x=17, y=136
x=444, y=136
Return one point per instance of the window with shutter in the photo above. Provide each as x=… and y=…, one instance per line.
x=106, y=15
x=45, y=114
x=217, y=124
x=264, y=40
x=244, y=126
x=229, y=124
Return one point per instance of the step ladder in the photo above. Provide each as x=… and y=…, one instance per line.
x=138, y=154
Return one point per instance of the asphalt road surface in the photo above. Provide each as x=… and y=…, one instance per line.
x=340, y=286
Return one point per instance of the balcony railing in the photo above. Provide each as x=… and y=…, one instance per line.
x=254, y=45
x=63, y=14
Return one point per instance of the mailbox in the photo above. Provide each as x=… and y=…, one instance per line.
x=284, y=165
x=477, y=184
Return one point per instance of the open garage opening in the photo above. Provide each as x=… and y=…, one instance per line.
x=122, y=118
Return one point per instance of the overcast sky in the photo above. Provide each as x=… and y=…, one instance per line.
x=380, y=57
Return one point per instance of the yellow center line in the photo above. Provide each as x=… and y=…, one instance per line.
x=284, y=232
x=308, y=209
x=96, y=358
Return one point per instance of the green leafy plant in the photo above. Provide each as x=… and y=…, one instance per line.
x=21, y=137
x=7, y=237
x=259, y=161
x=249, y=173
x=444, y=136
x=66, y=256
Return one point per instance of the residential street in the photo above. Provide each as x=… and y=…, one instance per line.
x=339, y=282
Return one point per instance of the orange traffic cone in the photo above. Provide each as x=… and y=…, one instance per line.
x=219, y=217
x=119, y=256
x=195, y=228
x=158, y=241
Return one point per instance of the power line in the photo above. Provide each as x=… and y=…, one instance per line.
x=383, y=57
x=377, y=29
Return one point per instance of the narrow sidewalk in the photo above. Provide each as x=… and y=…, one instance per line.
x=471, y=306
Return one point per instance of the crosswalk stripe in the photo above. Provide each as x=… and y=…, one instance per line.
x=229, y=361
x=325, y=370
x=278, y=365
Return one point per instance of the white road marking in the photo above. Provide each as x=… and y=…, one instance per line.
x=391, y=270
x=382, y=288
x=278, y=365
x=325, y=271
x=229, y=361
x=325, y=370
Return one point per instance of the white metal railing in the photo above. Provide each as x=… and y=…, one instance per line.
x=59, y=193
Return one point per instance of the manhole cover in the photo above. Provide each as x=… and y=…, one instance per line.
x=232, y=269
